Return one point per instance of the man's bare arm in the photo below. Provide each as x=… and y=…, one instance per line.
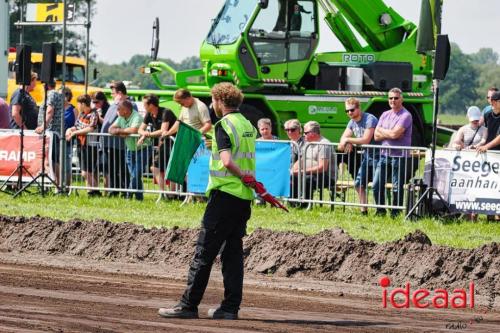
x=227, y=161
x=16, y=114
x=206, y=127
x=172, y=130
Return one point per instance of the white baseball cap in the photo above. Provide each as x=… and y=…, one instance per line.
x=473, y=113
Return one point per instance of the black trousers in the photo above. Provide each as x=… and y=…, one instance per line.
x=223, y=226
x=314, y=181
x=116, y=168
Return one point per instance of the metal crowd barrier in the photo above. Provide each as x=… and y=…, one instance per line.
x=370, y=167
x=100, y=166
x=383, y=174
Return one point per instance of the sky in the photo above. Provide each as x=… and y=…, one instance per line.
x=121, y=29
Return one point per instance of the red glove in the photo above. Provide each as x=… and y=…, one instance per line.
x=249, y=180
x=261, y=191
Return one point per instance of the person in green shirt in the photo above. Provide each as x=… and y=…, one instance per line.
x=127, y=123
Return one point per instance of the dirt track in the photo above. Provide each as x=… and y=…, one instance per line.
x=94, y=277
x=37, y=298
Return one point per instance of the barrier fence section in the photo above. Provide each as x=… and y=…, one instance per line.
x=368, y=176
x=468, y=182
x=318, y=173
x=107, y=163
x=10, y=141
x=121, y=166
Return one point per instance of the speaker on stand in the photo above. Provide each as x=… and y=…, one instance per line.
x=441, y=64
x=23, y=77
x=47, y=77
x=48, y=70
x=23, y=64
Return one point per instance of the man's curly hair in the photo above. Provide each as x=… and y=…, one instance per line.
x=228, y=93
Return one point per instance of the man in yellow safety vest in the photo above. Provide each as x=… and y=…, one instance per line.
x=230, y=193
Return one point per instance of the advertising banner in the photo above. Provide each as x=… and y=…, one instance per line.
x=197, y=174
x=48, y=12
x=272, y=168
x=32, y=154
x=469, y=182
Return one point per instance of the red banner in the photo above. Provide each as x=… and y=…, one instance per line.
x=10, y=146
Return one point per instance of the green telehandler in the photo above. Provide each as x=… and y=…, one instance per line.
x=268, y=49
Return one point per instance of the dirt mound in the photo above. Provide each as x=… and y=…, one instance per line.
x=98, y=239
x=329, y=255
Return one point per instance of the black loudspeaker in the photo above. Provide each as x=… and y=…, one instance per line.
x=330, y=77
x=48, y=63
x=387, y=75
x=23, y=64
x=442, y=57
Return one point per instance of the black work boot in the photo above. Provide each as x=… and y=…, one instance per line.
x=221, y=314
x=178, y=312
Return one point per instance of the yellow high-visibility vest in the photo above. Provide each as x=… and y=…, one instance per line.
x=242, y=135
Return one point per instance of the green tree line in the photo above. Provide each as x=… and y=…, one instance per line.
x=130, y=71
x=468, y=79
x=466, y=84
x=37, y=35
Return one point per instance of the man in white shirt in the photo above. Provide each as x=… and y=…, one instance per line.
x=193, y=112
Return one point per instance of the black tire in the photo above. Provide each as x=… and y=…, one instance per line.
x=417, y=132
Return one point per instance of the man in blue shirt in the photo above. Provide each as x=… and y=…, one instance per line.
x=359, y=131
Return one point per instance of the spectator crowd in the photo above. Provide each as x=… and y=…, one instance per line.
x=115, y=140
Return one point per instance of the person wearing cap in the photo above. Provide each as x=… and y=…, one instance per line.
x=472, y=135
x=492, y=123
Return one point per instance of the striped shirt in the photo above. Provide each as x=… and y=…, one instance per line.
x=468, y=136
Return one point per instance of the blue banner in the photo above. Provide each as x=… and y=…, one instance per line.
x=197, y=175
x=273, y=168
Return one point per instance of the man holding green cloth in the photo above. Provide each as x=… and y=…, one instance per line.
x=126, y=124
x=227, y=212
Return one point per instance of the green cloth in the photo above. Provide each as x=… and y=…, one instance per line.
x=429, y=26
x=134, y=121
x=187, y=141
